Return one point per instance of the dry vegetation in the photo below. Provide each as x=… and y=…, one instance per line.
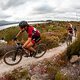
x=49, y=69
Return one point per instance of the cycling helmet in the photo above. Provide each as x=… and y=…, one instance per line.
x=23, y=24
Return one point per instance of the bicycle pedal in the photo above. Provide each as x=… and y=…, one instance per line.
x=34, y=54
x=31, y=55
x=26, y=55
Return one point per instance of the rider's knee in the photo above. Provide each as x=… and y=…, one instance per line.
x=27, y=47
x=24, y=46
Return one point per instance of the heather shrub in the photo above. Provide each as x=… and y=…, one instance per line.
x=17, y=75
x=50, y=41
x=60, y=76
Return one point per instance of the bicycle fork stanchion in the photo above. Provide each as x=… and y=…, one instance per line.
x=19, y=46
x=14, y=56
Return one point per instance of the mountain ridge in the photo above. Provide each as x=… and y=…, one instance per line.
x=4, y=22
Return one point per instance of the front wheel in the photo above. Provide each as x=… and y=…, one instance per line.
x=40, y=50
x=13, y=57
x=69, y=40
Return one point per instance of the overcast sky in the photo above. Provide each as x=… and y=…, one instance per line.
x=17, y=10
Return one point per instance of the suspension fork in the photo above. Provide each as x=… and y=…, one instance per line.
x=14, y=56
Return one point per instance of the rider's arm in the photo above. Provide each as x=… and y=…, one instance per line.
x=29, y=37
x=20, y=32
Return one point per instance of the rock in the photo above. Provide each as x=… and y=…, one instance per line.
x=69, y=73
x=36, y=77
x=74, y=58
x=5, y=48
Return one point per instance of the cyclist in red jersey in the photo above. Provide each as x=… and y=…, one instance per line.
x=33, y=35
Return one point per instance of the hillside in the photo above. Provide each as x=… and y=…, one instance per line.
x=3, y=22
x=54, y=65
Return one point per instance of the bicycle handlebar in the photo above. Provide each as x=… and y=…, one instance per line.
x=18, y=44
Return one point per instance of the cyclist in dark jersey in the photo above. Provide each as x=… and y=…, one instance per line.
x=33, y=35
x=70, y=29
x=69, y=32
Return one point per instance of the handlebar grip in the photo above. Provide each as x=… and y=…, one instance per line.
x=15, y=38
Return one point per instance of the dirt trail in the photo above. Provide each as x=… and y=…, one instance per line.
x=26, y=61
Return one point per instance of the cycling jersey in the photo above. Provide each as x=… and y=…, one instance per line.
x=33, y=33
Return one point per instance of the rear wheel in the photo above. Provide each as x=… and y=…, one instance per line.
x=13, y=57
x=40, y=50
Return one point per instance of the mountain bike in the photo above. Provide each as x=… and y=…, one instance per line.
x=69, y=39
x=13, y=57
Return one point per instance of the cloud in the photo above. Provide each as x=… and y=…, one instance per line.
x=43, y=9
x=3, y=15
x=13, y=3
x=16, y=3
x=36, y=9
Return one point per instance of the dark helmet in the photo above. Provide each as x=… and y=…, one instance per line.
x=23, y=24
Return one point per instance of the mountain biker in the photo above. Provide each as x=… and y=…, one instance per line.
x=70, y=31
x=33, y=35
